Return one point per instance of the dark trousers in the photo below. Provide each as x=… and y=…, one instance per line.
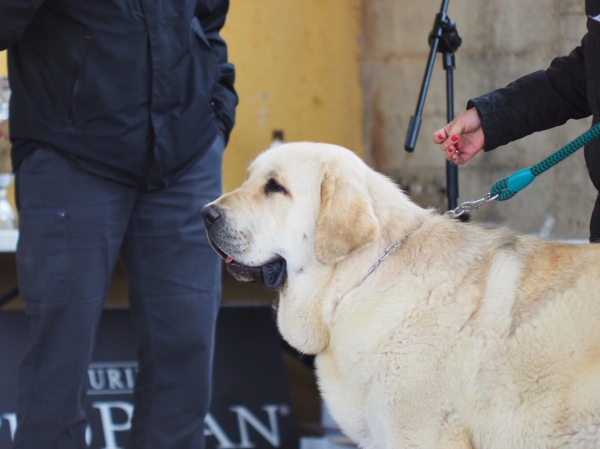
x=595, y=223
x=73, y=227
x=592, y=161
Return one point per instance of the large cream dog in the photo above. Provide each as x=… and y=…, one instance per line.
x=461, y=338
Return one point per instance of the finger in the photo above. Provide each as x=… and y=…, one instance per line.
x=450, y=152
x=452, y=131
x=457, y=126
x=460, y=158
x=447, y=144
x=439, y=136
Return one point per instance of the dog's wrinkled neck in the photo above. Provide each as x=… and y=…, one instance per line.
x=389, y=250
x=387, y=253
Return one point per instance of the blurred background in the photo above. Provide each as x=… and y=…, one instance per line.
x=348, y=72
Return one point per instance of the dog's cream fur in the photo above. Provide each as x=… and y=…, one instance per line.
x=462, y=338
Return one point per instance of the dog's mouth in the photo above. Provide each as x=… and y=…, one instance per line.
x=271, y=275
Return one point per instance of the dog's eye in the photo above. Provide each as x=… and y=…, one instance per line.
x=273, y=186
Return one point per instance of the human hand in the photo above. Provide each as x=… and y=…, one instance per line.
x=462, y=138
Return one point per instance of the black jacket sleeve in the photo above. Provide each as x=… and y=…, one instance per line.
x=224, y=97
x=15, y=15
x=535, y=102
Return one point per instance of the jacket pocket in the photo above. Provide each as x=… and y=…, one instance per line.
x=56, y=49
x=42, y=257
x=78, y=81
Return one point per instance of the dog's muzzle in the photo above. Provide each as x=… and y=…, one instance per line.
x=271, y=275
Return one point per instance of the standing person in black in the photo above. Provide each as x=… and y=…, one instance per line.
x=120, y=113
x=568, y=89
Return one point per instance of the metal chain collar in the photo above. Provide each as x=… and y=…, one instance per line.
x=465, y=207
x=388, y=251
x=468, y=206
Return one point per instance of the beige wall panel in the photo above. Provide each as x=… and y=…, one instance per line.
x=502, y=40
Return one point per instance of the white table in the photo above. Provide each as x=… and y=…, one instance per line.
x=8, y=240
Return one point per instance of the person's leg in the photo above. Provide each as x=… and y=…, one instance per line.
x=592, y=161
x=175, y=284
x=595, y=223
x=71, y=227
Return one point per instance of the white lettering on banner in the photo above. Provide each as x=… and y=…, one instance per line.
x=111, y=377
x=212, y=428
x=109, y=427
x=245, y=417
x=12, y=423
x=88, y=435
x=130, y=376
x=97, y=379
x=114, y=379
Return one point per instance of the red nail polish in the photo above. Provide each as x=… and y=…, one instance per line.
x=454, y=138
x=439, y=136
x=449, y=150
x=457, y=145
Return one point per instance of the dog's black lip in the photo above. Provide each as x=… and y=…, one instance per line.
x=275, y=269
x=218, y=250
x=271, y=275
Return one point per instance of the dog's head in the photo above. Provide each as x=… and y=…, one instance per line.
x=303, y=204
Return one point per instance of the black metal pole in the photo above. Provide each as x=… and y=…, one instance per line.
x=434, y=42
x=415, y=120
x=451, y=168
x=444, y=39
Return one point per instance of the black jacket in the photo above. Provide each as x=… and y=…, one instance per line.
x=133, y=90
x=568, y=89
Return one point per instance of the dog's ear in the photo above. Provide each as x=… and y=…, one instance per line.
x=346, y=220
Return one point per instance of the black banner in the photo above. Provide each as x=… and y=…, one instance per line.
x=250, y=399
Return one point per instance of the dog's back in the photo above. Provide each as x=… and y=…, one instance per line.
x=497, y=334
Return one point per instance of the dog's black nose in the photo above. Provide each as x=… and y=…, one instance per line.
x=211, y=215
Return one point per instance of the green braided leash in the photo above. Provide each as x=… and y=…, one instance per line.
x=506, y=188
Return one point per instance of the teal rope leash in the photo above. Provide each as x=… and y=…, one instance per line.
x=506, y=188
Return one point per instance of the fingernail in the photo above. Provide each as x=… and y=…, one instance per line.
x=450, y=150
x=454, y=138
x=457, y=145
x=439, y=136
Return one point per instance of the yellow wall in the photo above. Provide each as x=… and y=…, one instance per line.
x=4, y=72
x=3, y=69
x=297, y=70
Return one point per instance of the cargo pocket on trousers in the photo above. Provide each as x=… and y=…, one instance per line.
x=42, y=257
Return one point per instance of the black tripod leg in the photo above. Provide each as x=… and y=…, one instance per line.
x=451, y=168
x=415, y=120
